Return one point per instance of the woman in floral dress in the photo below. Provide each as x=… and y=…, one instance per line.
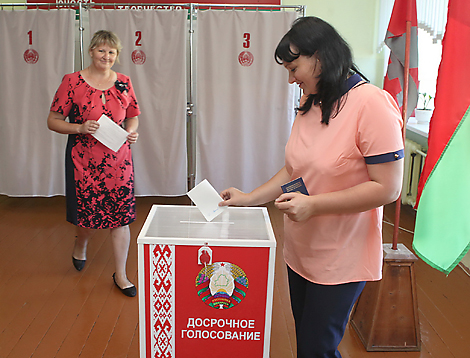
x=99, y=181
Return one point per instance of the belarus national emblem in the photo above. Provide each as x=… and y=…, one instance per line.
x=245, y=58
x=222, y=285
x=31, y=56
x=138, y=57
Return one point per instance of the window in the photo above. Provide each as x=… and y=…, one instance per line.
x=429, y=58
x=432, y=17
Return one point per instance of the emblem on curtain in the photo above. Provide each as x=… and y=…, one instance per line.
x=138, y=57
x=222, y=285
x=245, y=58
x=31, y=56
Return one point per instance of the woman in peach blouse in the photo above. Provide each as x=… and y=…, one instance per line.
x=346, y=144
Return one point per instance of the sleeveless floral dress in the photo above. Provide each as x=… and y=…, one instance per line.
x=99, y=181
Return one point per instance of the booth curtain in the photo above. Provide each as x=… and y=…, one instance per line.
x=244, y=106
x=154, y=56
x=36, y=50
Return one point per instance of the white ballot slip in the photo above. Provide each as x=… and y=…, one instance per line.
x=207, y=200
x=110, y=133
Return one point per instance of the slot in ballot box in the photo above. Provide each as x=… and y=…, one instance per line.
x=205, y=288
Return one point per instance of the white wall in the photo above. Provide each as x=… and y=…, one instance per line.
x=357, y=22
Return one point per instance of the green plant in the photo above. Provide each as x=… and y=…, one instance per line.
x=426, y=100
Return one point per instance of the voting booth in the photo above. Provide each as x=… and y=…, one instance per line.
x=205, y=287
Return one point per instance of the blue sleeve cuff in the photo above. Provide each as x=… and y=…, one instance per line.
x=385, y=158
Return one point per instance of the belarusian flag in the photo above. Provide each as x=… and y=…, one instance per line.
x=395, y=39
x=442, y=231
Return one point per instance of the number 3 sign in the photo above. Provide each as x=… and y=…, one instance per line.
x=245, y=58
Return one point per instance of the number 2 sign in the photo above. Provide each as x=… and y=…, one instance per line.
x=138, y=56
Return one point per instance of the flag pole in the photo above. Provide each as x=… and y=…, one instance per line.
x=404, y=116
x=378, y=319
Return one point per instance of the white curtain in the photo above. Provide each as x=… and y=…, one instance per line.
x=244, y=106
x=431, y=14
x=432, y=17
x=160, y=85
x=36, y=50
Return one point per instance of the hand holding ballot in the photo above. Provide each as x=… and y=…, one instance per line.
x=132, y=137
x=295, y=202
x=206, y=199
x=89, y=127
x=235, y=197
x=110, y=133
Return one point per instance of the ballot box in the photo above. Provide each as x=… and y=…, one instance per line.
x=205, y=288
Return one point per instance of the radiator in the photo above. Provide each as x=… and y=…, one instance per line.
x=414, y=161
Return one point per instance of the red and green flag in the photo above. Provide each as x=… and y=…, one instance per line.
x=442, y=231
x=394, y=82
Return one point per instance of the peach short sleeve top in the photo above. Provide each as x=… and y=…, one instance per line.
x=335, y=249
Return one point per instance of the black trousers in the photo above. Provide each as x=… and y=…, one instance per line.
x=321, y=313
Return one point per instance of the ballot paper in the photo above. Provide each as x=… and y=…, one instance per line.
x=110, y=133
x=207, y=200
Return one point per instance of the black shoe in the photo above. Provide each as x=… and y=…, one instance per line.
x=78, y=264
x=129, y=291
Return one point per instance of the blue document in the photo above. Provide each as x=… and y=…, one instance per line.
x=296, y=186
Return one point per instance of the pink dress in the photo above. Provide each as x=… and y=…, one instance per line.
x=99, y=181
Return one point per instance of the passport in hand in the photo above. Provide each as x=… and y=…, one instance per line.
x=296, y=186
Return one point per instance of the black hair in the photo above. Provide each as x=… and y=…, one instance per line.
x=312, y=36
